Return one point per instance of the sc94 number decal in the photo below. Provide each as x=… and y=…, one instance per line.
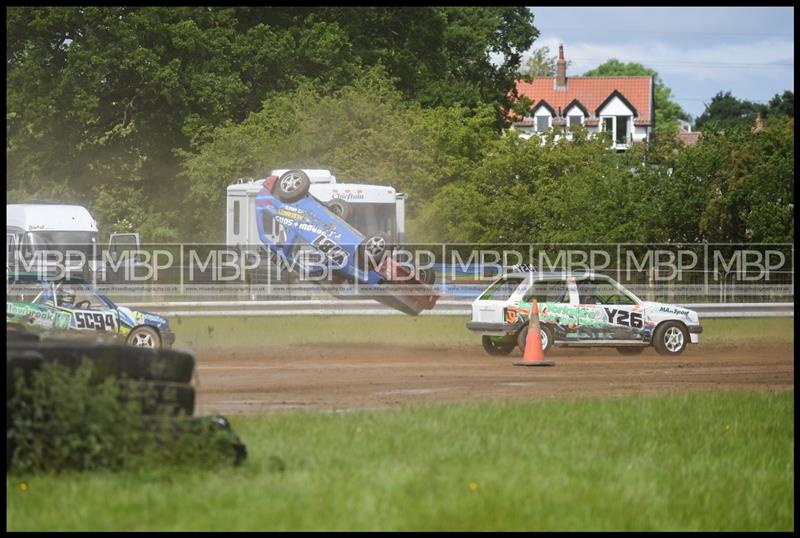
x=95, y=320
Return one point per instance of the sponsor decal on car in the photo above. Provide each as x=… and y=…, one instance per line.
x=38, y=315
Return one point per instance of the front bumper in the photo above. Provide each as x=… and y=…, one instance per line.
x=167, y=338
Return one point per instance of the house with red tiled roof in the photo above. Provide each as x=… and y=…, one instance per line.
x=622, y=106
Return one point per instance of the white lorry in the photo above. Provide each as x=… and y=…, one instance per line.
x=368, y=208
x=62, y=235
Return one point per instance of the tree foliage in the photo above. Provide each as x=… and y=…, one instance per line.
x=668, y=112
x=541, y=63
x=735, y=186
x=102, y=101
x=365, y=132
x=726, y=111
x=146, y=114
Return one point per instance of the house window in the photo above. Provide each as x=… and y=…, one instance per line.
x=618, y=127
x=621, y=135
x=542, y=124
x=575, y=120
x=608, y=125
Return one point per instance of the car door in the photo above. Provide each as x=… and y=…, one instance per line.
x=89, y=312
x=489, y=306
x=607, y=312
x=555, y=306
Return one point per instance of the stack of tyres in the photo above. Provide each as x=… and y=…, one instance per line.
x=164, y=376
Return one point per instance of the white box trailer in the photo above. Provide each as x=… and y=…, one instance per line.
x=373, y=208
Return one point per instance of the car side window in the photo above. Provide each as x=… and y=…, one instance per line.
x=502, y=289
x=547, y=291
x=596, y=291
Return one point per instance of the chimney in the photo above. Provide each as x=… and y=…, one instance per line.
x=561, y=69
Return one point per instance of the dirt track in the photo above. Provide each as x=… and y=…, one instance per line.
x=352, y=376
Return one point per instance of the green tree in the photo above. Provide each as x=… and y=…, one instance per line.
x=541, y=63
x=726, y=111
x=102, y=101
x=668, y=112
x=365, y=132
x=781, y=104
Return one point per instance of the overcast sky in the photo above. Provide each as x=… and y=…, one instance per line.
x=696, y=51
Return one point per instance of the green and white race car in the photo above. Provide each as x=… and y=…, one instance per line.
x=75, y=306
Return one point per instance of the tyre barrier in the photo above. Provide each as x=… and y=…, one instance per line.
x=160, y=380
x=113, y=359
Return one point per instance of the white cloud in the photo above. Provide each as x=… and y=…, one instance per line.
x=696, y=62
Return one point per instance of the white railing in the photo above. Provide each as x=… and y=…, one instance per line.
x=373, y=308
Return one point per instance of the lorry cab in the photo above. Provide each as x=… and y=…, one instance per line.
x=64, y=230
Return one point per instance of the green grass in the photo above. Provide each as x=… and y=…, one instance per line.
x=720, y=461
x=444, y=331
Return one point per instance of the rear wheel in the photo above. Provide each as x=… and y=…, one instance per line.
x=340, y=208
x=498, y=345
x=292, y=186
x=427, y=276
x=670, y=338
x=371, y=251
x=545, y=333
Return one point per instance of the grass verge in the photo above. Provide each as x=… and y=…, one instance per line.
x=720, y=461
x=444, y=331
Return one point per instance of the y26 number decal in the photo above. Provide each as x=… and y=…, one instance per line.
x=94, y=320
x=623, y=317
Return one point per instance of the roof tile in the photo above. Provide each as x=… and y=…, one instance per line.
x=591, y=92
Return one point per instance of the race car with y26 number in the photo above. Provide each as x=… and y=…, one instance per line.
x=580, y=310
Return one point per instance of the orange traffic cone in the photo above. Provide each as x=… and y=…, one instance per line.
x=534, y=354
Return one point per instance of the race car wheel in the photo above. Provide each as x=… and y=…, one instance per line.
x=292, y=186
x=544, y=332
x=374, y=247
x=630, y=350
x=340, y=208
x=144, y=337
x=497, y=345
x=427, y=276
x=670, y=338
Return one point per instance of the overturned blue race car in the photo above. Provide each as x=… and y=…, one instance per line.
x=319, y=244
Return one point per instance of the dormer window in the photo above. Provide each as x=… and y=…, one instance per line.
x=575, y=120
x=542, y=124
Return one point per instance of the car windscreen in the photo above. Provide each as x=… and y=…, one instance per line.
x=502, y=289
x=60, y=241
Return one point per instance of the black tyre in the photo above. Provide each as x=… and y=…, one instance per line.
x=372, y=250
x=143, y=336
x=427, y=276
x=292, y=186
x=544, y=331
x=498, y=346
x=630, y=350
x=340, y=208
x=113, y=360
x=670, y=338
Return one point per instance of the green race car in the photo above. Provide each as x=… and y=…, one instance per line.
x=77, y=307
